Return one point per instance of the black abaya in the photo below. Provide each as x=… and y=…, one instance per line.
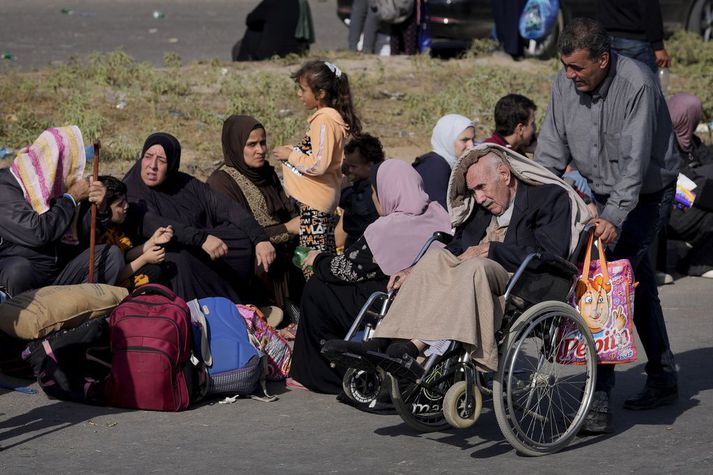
x=330, y=303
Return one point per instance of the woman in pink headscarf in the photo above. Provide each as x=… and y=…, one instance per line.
x=695, y=224
x=341, y=284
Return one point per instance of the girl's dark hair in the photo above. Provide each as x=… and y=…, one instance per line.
x=336, y=90
x=115, y=189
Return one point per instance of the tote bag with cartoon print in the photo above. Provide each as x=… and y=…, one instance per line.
x=605, y=298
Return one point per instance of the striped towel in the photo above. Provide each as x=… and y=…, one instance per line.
x=48, y=167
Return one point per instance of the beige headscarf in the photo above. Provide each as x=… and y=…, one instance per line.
x=461, y=203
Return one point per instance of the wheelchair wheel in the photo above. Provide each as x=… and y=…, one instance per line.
x=421, y=405
x=361, y=386
x=540, y=403
x=454, y=409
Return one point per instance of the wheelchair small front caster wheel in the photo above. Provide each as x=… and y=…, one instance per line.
x=455, y=406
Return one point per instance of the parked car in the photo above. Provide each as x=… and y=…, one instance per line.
x=465, y=20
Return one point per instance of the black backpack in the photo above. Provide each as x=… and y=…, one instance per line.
x=74, y=364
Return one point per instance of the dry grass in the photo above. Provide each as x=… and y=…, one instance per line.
x=114, y=98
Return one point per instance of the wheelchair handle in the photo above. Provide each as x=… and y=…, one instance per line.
x=439, y=236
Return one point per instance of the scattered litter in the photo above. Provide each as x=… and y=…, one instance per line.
x=4, y=152
x=173, y=40
x=669, y=428
x=176, y=114
x=121, y=105
x=157, y=14
x=7, y=55
x=223, y=71
x=153, y=30
x=704, y=128
x=282, y=113
x=112, y=424
x=67, y=11
x=393, y=95
x=91, y=423
x=406, y=133
x=19, y=389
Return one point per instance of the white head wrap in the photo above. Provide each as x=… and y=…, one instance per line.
x=445, y=133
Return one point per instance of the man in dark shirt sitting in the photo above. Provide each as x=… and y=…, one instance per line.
x=361, y=154
x=515, y=124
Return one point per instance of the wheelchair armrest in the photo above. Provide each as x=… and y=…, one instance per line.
x=439, y=236
x=554, y=265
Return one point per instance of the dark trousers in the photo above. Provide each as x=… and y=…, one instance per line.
x=18, y=273
x=637, y=234
x=506, y=14
x=639, y=50
x=363, y=20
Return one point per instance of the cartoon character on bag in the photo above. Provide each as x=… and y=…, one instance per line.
x=593, y=302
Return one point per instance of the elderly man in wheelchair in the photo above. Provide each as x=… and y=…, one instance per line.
x=492, y=301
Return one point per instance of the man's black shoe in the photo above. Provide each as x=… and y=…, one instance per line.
x=651, y=397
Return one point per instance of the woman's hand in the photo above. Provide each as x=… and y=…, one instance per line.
x=97, y=192
x=293, y=226
x=155, y=255
x=309, y=260
x=264, y=254
x=282, y=153
x=397, y=280
x=214, y=247
x=162, y=235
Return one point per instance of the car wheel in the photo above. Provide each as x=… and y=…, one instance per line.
x=701, y=19
x=546, y=47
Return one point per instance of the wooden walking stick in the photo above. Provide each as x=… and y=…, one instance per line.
x=93, y=222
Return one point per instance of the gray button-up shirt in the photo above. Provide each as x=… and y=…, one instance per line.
x=619, y=136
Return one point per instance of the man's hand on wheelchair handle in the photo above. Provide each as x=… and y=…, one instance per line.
x=396, y=280
x=481, y=250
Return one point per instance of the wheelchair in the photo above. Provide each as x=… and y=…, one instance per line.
x=540, y=401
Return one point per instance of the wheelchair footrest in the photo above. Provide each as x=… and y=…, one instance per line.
x=400, y=368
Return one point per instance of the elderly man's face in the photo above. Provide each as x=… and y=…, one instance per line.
x=586, y=72
x=490, y=184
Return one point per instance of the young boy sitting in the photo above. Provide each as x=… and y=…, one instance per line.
x=360, y=154
x=143, y=262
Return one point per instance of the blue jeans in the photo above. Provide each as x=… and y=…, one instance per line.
x=639, y=50
x=637, y=234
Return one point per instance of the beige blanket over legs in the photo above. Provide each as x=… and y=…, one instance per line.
x=447, y=299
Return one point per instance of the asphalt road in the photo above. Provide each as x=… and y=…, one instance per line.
x=309, y=433
x=37, y=32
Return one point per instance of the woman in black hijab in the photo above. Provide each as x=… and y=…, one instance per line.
x=248, y=178
x=214, y=238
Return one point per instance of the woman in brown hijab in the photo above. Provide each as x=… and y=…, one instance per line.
x=248, y=178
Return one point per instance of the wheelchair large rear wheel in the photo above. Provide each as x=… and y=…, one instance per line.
x=421, y=405
x=540, y=403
